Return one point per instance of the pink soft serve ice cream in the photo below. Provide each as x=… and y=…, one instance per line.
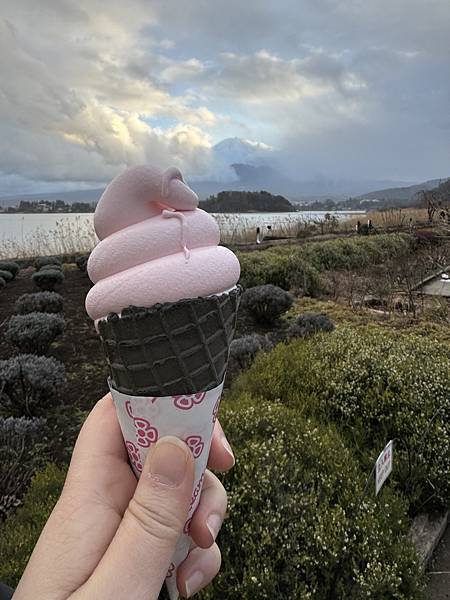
x=155, y=245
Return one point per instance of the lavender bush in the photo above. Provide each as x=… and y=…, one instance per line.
x=266, y=302
x=48, y=279
x=308, y=324
x=34, y=332
x=41, y=302
x=12, y=267
x=6, y=275
x=30, y=385
x=46, y=260
x=244, y=349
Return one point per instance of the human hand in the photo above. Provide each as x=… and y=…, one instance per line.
x=110, y=536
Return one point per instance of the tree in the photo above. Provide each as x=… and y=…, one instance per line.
x=437, y=202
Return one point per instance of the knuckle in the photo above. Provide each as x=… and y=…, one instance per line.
x=157, y=520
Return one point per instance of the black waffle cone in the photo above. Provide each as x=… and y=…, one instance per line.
x=172, y=348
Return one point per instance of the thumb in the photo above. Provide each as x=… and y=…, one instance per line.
x=137, y=560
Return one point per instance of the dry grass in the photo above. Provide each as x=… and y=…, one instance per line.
x=391, y=217
x=67, y=237
x=71, y=236
x=434, y=320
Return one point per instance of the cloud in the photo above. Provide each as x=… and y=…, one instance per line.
x=339, y=86
x=74, y=105
x=263, y=76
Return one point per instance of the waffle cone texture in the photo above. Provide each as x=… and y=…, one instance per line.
x=171, y=348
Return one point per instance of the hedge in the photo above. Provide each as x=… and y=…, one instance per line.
x=293, y=528
x=376, y=386
x=298, y=267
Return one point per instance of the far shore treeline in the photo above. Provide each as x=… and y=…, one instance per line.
x=240, y=201
x=48, y=206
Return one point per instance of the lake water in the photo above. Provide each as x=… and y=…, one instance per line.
x=43, y=233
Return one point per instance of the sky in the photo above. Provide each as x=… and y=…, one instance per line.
x=347, y=89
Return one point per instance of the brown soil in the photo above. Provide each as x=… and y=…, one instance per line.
x=79, y=348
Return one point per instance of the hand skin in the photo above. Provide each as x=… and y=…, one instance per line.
x=110, y=536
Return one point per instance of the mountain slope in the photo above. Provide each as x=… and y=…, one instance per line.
x=402, y=193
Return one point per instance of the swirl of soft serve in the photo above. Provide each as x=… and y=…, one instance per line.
x=155, y=245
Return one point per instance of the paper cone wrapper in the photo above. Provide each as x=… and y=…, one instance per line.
x=145, y=419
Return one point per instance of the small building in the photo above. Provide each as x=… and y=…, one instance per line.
x=436, y=285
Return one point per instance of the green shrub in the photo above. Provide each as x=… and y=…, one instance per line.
x=21, y=530
x=12, y=267
x=286, y=270
x=34, y=332
x=293, y=529
x=48, y=302
x=351, y=253
x=376, y=385
x=6, y=275
x=48, y=279
x=298, y=267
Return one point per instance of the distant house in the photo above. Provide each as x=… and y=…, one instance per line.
x=436, y=285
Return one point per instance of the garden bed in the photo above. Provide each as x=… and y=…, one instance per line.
x=307, y=420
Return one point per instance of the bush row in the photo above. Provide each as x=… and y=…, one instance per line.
x=298, y=267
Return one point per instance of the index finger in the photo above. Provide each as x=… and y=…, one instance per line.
x=221, y=457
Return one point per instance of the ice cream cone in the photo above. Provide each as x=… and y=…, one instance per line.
x=165, y=302
x=172, y=348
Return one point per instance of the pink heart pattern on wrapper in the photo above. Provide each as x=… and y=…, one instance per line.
x=195, y=444
x=134, y=455
x=187, y=402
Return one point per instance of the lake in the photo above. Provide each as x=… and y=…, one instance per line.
x=58, y=233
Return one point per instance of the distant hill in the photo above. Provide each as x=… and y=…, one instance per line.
x=401, y=193
x=240, y=201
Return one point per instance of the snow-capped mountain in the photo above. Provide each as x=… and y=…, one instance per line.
x=237, y=150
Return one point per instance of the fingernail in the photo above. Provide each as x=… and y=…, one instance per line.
x=194, y=583
x=168, y=462
x=214, y=523
x=227, y=447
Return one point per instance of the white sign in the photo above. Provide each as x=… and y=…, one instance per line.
x=383, y=466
